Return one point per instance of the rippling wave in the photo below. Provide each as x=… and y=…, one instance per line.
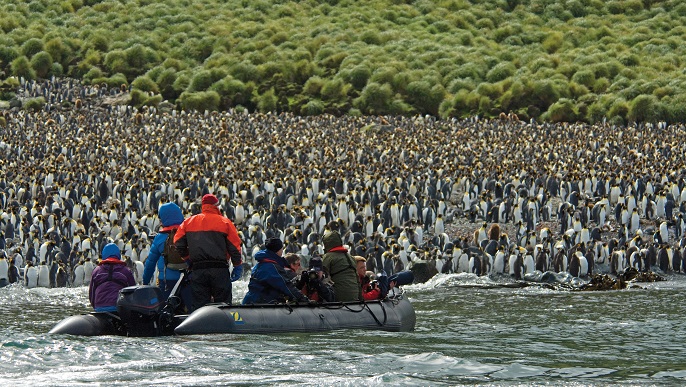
x=470, y=330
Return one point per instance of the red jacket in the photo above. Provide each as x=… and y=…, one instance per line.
x=208, y=239
x=367, y=293
x=314, y=296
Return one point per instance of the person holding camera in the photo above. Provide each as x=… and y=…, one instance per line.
x=314, y=284
x=269, y=282
x=372, y=289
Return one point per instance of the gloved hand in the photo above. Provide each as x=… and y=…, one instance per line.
x=236, y=273
x=382, y=280
x=300, y=281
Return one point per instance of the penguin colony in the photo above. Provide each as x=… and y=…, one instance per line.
x=482, y=196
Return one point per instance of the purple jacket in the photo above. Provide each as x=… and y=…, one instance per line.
x=104, y=290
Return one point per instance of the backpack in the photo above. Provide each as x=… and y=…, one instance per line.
x=172, y=258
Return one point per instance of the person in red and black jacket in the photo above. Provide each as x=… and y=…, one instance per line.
x=208, y=241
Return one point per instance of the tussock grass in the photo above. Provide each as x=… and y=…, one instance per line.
x=585, y=60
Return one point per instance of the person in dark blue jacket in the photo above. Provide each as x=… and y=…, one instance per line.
x=171, y=217
x=269, y=283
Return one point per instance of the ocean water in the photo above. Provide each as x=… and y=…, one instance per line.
x=470, y=331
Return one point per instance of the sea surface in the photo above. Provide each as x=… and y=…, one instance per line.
x=470, y=331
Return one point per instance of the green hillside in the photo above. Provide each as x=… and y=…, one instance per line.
x=555, y=60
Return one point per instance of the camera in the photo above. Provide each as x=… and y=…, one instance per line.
x=312, y=274
x=311, y=279
x=373, y=285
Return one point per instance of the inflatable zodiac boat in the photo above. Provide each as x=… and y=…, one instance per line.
x=143, y=313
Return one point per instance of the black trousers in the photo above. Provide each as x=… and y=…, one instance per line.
x=210, y=285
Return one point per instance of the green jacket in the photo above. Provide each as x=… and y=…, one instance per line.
x=341, y=268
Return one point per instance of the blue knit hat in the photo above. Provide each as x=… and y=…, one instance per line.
x=111, y=250
x=170, y=214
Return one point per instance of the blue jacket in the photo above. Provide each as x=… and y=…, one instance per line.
x=171, y=217
x=269, y=283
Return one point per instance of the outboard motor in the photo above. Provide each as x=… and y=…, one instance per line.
x=139, y=308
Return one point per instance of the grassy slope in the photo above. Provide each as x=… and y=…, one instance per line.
x=550, y=59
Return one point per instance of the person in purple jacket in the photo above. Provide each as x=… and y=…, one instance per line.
x=108, y=279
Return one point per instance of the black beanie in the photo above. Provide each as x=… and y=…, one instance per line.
x=316, y=264
x=274, y=244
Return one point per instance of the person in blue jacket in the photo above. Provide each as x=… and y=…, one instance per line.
x=171, y=218
x=269, y=282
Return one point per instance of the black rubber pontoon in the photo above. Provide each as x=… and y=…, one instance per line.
x=142, y=314
x=392, y=314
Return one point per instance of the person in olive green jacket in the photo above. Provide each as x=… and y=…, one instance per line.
x=341, y=268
